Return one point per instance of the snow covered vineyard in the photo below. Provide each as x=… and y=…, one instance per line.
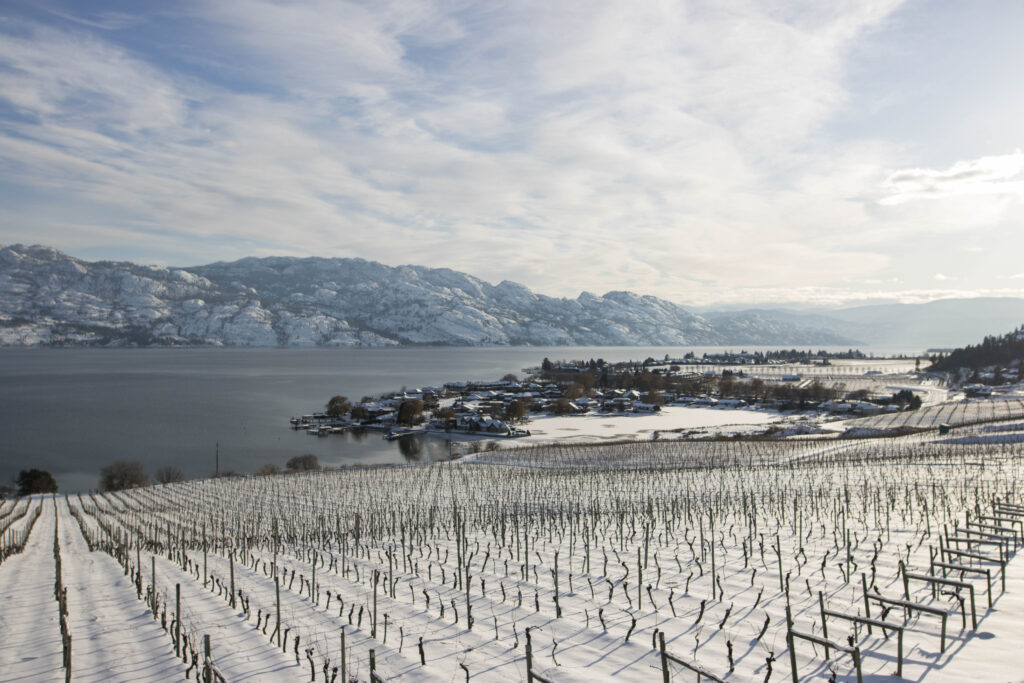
x=966, y=412
x=578, y=565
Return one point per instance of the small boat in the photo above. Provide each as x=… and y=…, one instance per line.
x=397, y=433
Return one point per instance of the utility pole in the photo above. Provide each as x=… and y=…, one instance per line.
x=217, y=460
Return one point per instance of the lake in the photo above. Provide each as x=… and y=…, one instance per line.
x=72, y=411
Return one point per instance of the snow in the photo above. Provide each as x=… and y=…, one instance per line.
x=622, y=426
x=114, y=637
x=30, y=642
x=677, y=538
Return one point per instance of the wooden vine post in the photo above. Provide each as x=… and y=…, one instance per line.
x=664, y=657
x=376, y=580
x=277, y=586
x=789, y=642
x=344, y=677
x=277, y=619
x=153, y=596
x=204, y=555
x=529, y=657
x=177, y=620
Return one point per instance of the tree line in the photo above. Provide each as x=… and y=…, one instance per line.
x=993, y=350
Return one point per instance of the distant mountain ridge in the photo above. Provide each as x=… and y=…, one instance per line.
x=50, y=298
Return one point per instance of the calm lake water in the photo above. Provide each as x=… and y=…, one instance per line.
x=71, y=411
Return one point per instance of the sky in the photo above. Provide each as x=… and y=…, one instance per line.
x=711, y=153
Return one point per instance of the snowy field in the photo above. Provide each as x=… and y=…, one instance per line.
x=954, y=413
x=621, y=426
x=588, y=554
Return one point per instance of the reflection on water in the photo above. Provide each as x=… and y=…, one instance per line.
x=411, y=447
x=417, y=448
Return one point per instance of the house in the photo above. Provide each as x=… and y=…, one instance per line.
x=482, y=424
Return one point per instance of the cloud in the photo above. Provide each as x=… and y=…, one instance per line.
x=837, y=297
x=105, y=21
x=990, y=175
x=672, y=148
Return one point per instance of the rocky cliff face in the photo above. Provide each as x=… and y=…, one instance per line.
x=50, y=298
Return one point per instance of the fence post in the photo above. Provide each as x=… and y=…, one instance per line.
x=373, y=664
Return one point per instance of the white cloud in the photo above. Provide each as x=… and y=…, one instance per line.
x=672, y=148
x=990, y=175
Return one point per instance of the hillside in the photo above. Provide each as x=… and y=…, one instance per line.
x=50, y=298
x=995, y=358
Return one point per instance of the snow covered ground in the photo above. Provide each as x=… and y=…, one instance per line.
x=30, y=643
x=597, y=550
x=621, y=426
x=962, y=412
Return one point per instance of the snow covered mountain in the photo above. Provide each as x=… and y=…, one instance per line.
x=50, y=298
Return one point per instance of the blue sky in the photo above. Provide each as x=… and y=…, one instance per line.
x=705, y=152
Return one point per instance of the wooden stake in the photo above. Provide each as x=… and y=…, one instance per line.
x=177, y=620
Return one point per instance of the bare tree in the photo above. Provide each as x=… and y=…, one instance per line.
x=123, y=475
x=338, y=406
x=562, y=406
x=169, y=474
x=515, y=411
x=303, y=463
x=410, y=412
x=35, y=481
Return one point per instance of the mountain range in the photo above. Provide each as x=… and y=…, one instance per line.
x=48, y=298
